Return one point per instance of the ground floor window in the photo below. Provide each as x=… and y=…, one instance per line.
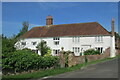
x=99, y=49
x=56, y=51
x=76, y=49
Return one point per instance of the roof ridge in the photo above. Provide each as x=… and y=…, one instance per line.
x=77, y=23
x=63, y=24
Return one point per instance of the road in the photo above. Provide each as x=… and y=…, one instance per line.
x=107, y=69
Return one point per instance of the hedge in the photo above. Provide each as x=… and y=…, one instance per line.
x=91, y=52
x=25, y=60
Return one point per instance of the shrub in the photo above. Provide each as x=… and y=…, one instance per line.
x=48, y=53
x=91, y=52
x=25, y=60
x=50, y=61
x=42, y=47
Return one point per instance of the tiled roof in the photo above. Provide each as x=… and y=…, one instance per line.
x=76, y=29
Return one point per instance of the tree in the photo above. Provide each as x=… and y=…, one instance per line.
x=24, y=29
x=7, y=45
x=42, y=47
x=117, y=36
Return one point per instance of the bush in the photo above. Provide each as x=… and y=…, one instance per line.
x=91, y=52
x=25, y=60
x=43, y=48
x=49, y=61
x=48, y=53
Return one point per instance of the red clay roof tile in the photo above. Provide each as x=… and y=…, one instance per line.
x=76, y=29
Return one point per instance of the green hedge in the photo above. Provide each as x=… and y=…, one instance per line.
x=91, y=52
x=25, y=60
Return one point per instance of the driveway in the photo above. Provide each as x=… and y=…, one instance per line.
x=107, y=69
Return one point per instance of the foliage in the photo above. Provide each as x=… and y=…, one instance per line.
x=91, y=52
x=25, y=60
x=86, y=60
x=48, y=53
x=24, y=29
x=48, y=72
x=49, y=61
x=7, y=45
x=66, y=57
x=117, y=36
x=43, y=48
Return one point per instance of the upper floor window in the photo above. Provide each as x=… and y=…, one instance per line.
x=34, y=43
x=23, y=43
x=99, y=39
x=76, y=39
x=56, y=40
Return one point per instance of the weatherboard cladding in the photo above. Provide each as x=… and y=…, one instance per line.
x=76, y=29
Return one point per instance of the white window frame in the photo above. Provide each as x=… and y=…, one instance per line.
x=76, y=39
x=33, y=43
x=23, y=43
x=101, y=49
x=56, y=40
x=76, y=49
x=56, y=51
x=99, y=39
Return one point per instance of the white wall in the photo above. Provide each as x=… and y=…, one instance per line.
x=66, y=42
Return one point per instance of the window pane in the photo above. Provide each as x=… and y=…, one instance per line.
x=23, y=43
x=101, y=38
x=101, y=49
x=78, y=39
x=78, y=49
x=73, y=49
x=73, y=39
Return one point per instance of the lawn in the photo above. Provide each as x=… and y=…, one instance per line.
x=49, y=72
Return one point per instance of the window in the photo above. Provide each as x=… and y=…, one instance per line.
x=23, y=43
x=99, y=49
x=34, y=43
x=76, y=49
x=56, y=51
x=56, y=40
x=99, y=39
x=76, y=39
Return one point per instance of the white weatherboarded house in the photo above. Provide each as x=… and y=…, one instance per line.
x=76, y=37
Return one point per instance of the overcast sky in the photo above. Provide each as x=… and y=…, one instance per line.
x=14, y=13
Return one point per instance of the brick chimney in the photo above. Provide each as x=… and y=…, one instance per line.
x=112, y=23
x=49, y=20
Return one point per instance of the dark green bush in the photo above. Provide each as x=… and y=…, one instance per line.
x=25, y=60
x=91, y=52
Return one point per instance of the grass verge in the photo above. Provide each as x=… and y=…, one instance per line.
x=49, y=72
